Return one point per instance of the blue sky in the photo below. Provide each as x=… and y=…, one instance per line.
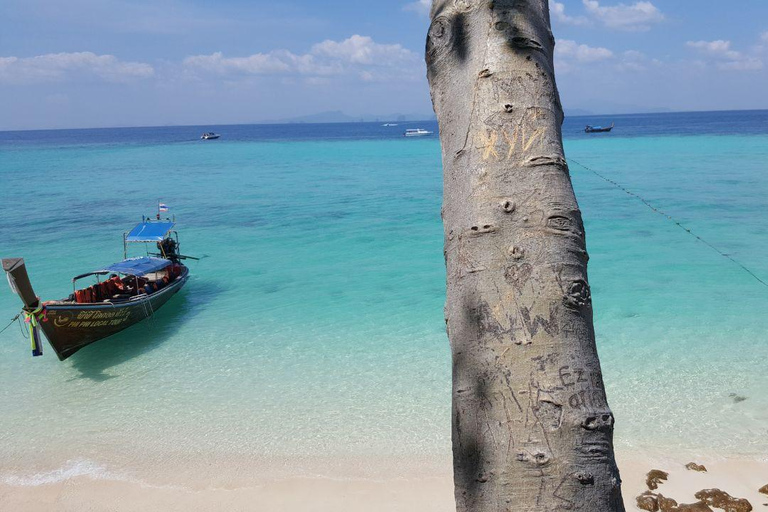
x=92, y=63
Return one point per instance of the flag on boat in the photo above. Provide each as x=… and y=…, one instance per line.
x=162, y=207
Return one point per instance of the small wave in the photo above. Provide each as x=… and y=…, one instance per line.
x=71, y=469
x=74, y=469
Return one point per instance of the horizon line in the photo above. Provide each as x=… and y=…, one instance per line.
x=262, y=123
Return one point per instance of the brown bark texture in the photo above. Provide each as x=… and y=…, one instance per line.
x=532, y=430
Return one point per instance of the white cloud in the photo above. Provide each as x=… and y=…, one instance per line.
x=420, y=6
x=632, y=60
x=570, y=55
x=557, y=10
x=634, y=55
x=747, y=64
x=362, y=50
x=273, y=63
x=718, y=48
x=566, y=49
x=762, y=45
x=636, y=17
x=57, y=67
x=725, y=57
x=357, y=56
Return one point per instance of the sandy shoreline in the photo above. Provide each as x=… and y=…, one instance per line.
x=423, y=486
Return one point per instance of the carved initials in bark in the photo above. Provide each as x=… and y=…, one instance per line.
x=506, y=146
x=532, y=430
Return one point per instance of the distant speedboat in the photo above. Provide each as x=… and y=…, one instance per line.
x=598, y=129
x=210, y=136
x=389, y=124
x=417, y=132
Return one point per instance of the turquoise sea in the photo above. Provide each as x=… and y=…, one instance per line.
x=312, y=327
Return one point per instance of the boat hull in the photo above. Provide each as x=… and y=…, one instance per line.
x=70, y=327
x=598, y=129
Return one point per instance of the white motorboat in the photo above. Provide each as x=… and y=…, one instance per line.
x=210, y=136
x=417, y=132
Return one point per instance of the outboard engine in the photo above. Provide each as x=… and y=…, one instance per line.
x=169, y=249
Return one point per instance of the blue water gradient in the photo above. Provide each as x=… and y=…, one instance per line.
x=313, y=323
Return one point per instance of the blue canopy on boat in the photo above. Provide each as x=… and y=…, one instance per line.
x=137, y=266
x=149, y=232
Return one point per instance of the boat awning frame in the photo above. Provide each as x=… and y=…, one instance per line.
x=137, y=266
x=97, y=273
x=130, y=267
x=150, y=231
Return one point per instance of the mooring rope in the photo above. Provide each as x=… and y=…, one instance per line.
x=669, y=217
x=10, y=323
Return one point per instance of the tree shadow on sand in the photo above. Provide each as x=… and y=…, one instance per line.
x=93, y=360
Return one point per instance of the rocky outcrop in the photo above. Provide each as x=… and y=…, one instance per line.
x=709, y=499
x=654, y=478
x=659, y=503
x=648, y=501
x=692, y=466
x=721, y=499
x=667, y=504
x=699, y=506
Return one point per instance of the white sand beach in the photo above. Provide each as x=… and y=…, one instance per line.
x=424, y=486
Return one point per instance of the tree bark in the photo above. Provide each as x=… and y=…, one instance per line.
x=532, y=430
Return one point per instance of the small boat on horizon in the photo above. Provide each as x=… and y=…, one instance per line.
x=389, y=124
x=210, y=136
x=598, y=129
x=417, y=132
x=131, y=291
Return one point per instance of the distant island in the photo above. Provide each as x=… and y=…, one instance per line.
x=337, y=116
x=608, y=108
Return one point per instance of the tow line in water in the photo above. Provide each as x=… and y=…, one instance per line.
x=669, y=217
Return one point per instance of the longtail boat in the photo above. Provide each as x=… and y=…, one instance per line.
x=124, y=293
x=598, y=129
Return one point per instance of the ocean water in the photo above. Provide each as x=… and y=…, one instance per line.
x=312, y=328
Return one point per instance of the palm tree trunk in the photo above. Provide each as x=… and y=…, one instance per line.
x=532, y=430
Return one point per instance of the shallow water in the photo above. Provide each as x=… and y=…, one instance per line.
x=313, y=324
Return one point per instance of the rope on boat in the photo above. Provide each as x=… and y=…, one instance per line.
x=32, y=319
x=10, y=323
x=669, y=217
x=151, y=313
